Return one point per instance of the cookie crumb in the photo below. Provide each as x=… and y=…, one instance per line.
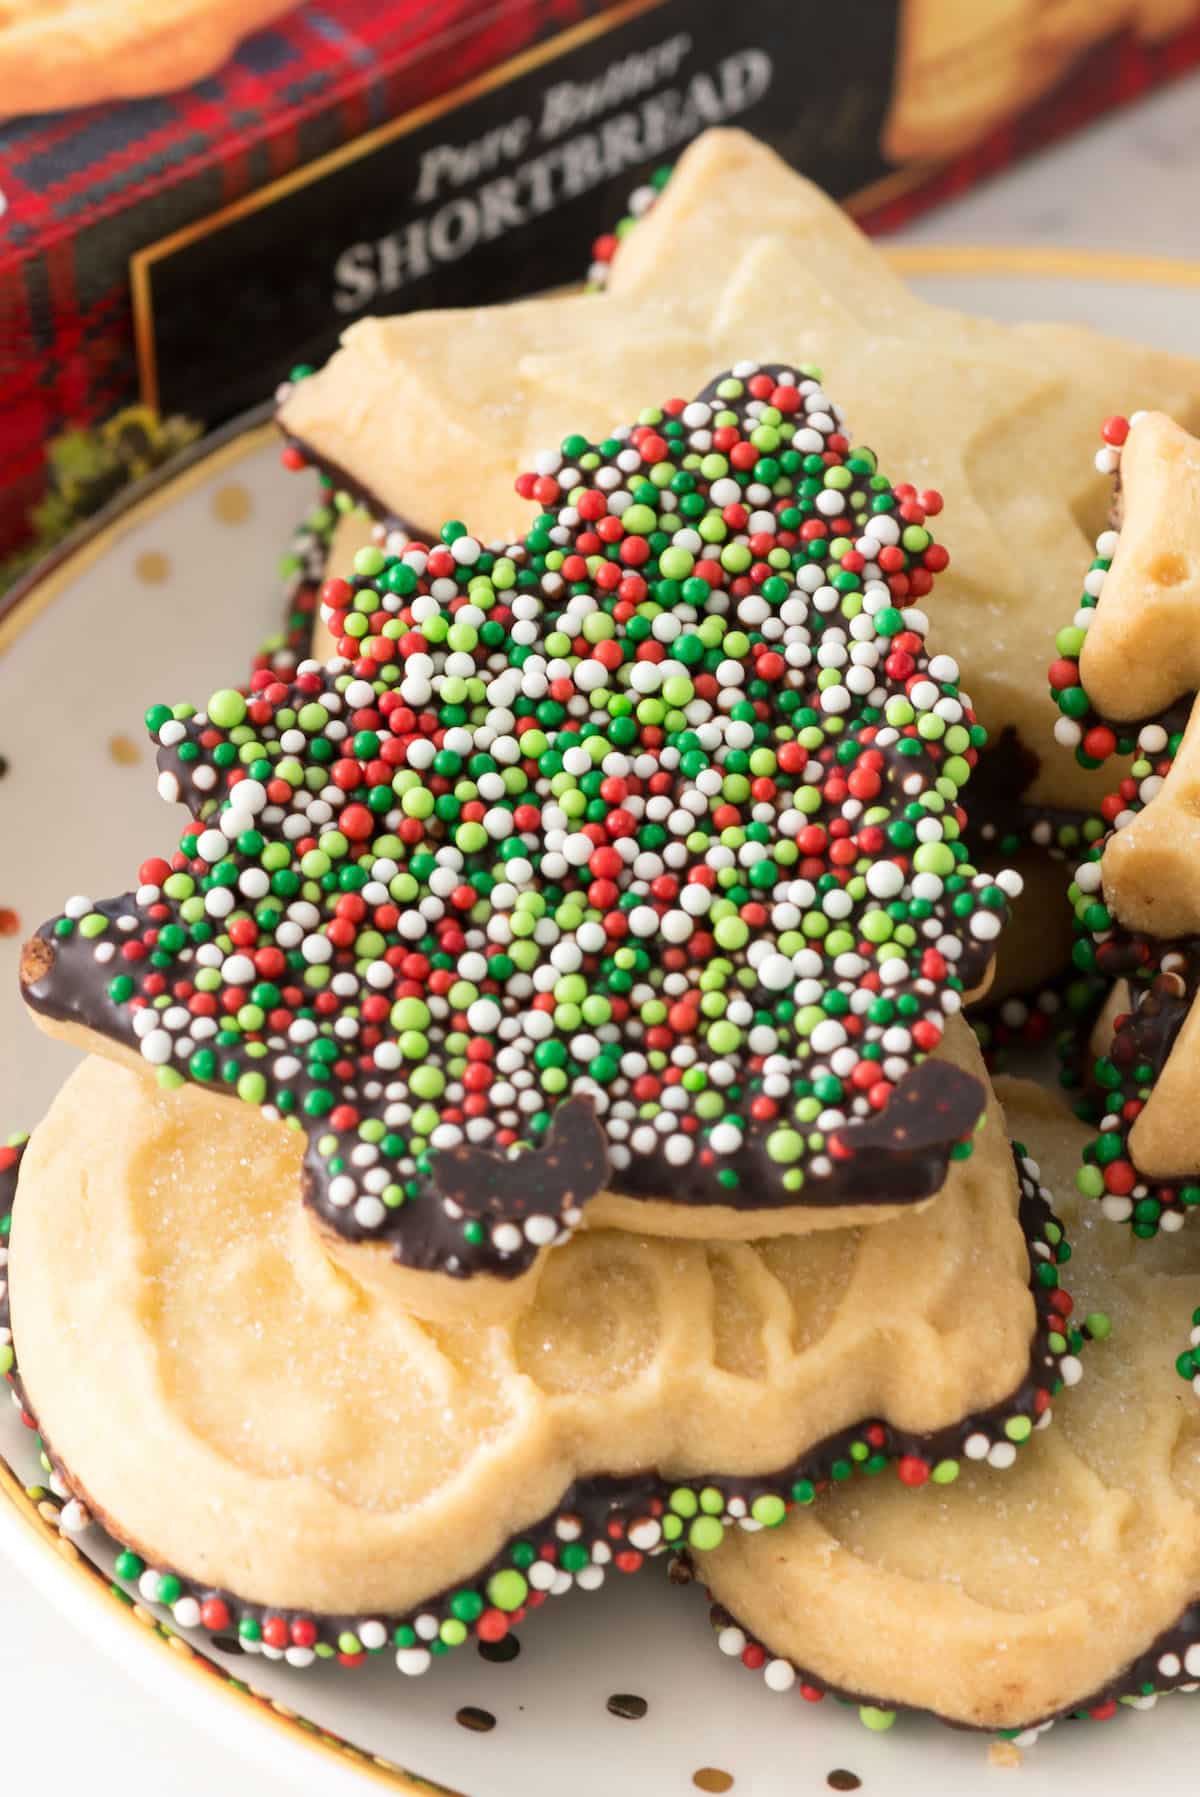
x=1004, y=1756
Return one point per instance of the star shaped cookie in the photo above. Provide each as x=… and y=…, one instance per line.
x=742, y=257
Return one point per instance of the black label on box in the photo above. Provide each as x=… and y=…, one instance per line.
x=500, y=190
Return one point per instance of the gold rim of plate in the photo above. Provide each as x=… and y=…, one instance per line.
x=81, y=553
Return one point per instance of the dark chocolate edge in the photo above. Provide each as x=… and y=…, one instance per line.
x=891, y=1161
x=340, y=480
x=1142, y=1681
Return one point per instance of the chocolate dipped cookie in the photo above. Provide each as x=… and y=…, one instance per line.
x=282, y=1451
x=616, y=875
x=1064, y=1590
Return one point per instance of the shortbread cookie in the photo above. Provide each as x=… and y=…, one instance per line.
x=56, y=54
x=1037, y=941
x=998, y=419
x=639, y=203
x=364, y=1467
x=1117, y=695
x=1136, y=662
x=1148, y=863
x=1144, y=1166
x=1159, y=19
x=1034, y=952
x=1137, y=908
x=1140, y=652
x=1003, y=1604
x=11, y=1152
x=1135, y=912
x=642, y=841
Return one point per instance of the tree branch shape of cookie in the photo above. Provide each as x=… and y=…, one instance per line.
x=1135, y=915
x=628, y=857
x=1148, y=863
x=1130, y=656
x=1142, y=650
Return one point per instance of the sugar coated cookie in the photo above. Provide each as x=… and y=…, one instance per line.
x=368, y=1481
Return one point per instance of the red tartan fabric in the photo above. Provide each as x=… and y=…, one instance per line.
x=84, y=189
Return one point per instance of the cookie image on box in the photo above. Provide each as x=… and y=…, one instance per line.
x=961, y=70
x=55, y=55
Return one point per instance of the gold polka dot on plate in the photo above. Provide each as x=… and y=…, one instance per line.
x=123, y=750
x=152, y=566
x=711, y=1778
x=232, y=504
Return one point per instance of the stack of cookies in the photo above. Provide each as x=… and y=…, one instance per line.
x=529, y=1127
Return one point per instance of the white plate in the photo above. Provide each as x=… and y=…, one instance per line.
x=169, y=598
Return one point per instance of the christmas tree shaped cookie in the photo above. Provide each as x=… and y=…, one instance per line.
x=620, y=870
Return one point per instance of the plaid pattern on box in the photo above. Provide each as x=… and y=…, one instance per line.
x=83, y=189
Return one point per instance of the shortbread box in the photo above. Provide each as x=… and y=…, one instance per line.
x=197, y=195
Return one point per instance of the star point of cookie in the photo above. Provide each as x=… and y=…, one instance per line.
x=635, y=850
x=997, y=418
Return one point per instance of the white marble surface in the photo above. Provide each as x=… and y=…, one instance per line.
x=75, y=1720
